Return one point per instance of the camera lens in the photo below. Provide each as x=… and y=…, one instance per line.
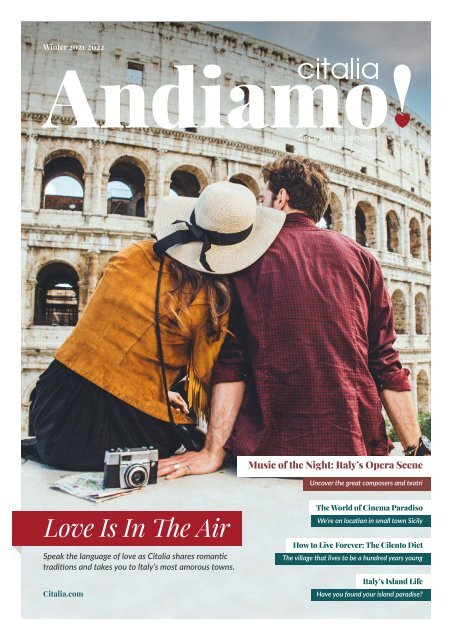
x=136, y=476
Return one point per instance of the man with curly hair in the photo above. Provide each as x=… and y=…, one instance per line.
x=310, y=361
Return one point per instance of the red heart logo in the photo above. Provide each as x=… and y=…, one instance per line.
x=402, y=119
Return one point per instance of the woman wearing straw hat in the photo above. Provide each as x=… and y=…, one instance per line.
x=160, y=309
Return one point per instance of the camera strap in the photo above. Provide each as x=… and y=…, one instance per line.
x=190, y=437
x=160, y=350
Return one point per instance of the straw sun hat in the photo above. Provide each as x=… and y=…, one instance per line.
x=222, y=231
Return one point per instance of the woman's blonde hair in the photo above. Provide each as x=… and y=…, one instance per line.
x=187, y=284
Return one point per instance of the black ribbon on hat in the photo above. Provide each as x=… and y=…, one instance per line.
x=195, y=233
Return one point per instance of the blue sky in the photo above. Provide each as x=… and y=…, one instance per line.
x=388, y=43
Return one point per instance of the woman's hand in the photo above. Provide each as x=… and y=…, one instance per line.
x=177, y=402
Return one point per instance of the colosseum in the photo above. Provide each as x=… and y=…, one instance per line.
x=86, y=193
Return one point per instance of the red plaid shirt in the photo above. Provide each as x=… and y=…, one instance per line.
x=314, y=334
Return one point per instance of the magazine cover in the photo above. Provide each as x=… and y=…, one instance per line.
x=226, y=370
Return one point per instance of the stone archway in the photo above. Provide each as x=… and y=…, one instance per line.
x=126, y=188
x=393, y=230
x=415, y=237
x=365, y=224
x=246, y=181
x=333, y=215
x=422, y=391
x=63, y=182
x=399, y=311
x=187, y=180
x=421, y=314
x=56, y=295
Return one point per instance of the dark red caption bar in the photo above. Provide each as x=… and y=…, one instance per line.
x=367, y=484
x=129, y=528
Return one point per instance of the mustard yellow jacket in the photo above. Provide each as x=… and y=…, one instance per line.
x=114, y=343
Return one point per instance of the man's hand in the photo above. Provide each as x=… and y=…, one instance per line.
x=225, y=404
x=191, y=463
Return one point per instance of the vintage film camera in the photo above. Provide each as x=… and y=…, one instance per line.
x=130, y=468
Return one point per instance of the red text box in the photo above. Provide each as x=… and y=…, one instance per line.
x=127, y=528
x=366, y=484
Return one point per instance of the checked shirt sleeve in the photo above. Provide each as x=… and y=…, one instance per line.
x=383, y=358
x=233, y=362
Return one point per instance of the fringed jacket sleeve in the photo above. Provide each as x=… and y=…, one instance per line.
x=204, y=354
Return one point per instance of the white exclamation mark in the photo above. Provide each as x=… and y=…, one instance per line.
x=402, y=78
